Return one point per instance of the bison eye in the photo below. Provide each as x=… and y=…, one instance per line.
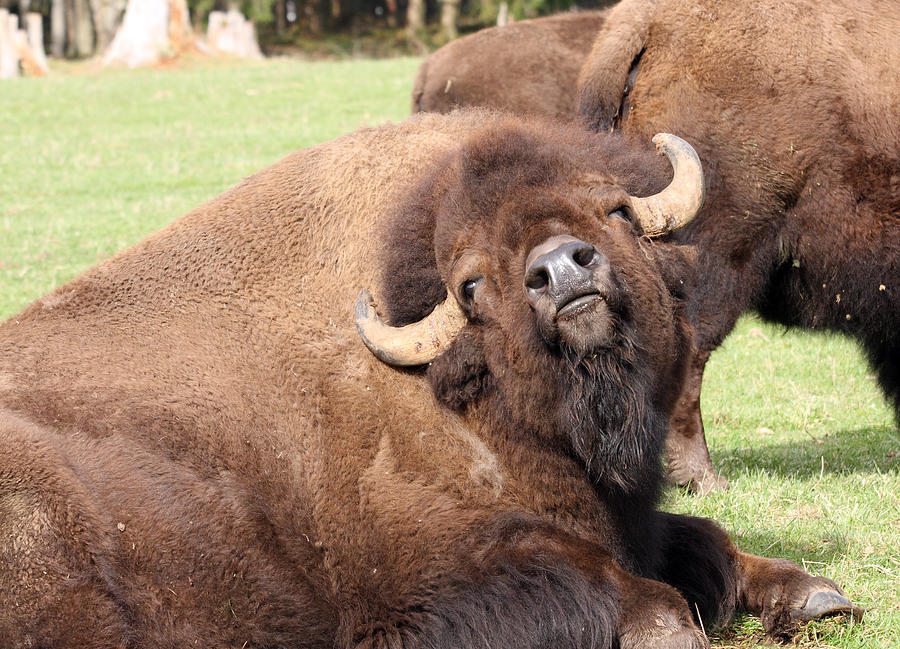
x=467, y=289
x=620, y=212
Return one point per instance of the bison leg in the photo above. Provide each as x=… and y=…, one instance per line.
x=717, y=580
x=526, y=585
x=655, y=615
x=885, y=358
x=686, y=449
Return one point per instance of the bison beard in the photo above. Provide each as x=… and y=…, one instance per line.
x=598, y=399
x=617, y=437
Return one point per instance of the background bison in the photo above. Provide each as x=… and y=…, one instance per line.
x=793, y=109
x=528, y=68
x=200, y=449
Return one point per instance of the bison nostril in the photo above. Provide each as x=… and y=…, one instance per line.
x=537, y=280
x=585, y=257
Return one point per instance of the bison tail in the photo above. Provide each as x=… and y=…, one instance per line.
x=609, y=68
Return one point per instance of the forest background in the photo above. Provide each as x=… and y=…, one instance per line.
x=80, y=29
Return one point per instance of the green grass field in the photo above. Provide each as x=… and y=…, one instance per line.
x=90, y=162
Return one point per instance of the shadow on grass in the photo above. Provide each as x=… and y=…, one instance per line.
x=861, y=450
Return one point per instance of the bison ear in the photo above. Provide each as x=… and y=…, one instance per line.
x=460, y=375
x=677, y=265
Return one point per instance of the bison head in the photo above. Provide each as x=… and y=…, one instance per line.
x=562, y=316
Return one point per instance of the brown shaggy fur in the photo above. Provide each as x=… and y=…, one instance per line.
x=794, y=109
x=528, y=68
x=603, y=405
x=198, y=449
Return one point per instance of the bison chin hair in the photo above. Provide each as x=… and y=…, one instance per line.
x=608, y=413
x=600, y=404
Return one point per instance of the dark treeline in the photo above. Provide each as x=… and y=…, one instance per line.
x=84, y=28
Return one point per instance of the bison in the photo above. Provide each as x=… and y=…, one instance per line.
x=520, y=271
x=528, y=68
x=199, y=450
x=793, y=107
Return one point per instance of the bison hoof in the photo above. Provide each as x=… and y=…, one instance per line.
x=817, y=598
x=698, y=482
x=826, y=603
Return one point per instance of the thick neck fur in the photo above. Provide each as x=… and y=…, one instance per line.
x=591, y=416
x=596, y=408
x=606, y=412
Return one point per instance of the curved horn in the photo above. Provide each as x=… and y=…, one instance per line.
x=677, y=204
x=415, y=344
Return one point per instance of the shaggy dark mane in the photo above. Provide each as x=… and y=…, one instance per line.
x=614, y=432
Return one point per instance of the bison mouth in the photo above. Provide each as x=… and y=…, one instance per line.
x=584, y=324
x=571, y=285
x=579, y=304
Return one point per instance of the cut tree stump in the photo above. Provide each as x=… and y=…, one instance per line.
x=152, y=30
x=29, y=64
x=9, y=58
x=21, y=50
x=34, y=40
x=231, y=33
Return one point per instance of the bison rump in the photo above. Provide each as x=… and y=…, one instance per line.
x=527, y=68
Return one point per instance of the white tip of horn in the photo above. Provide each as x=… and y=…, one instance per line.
x=676, y=205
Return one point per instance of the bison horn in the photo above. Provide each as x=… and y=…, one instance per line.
x=415, y=344
x=677, y=204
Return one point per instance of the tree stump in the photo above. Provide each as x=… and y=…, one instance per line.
x=30, y=65
x=9, y=57
x=503, y=16
x=34, y=32
x=231, y=33
x=214, y=26
x=151, y=30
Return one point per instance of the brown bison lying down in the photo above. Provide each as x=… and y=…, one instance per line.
x=199, y=449
x=794, y=106
x=528, y=68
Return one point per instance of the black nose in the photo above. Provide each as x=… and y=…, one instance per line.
x=563, y=268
